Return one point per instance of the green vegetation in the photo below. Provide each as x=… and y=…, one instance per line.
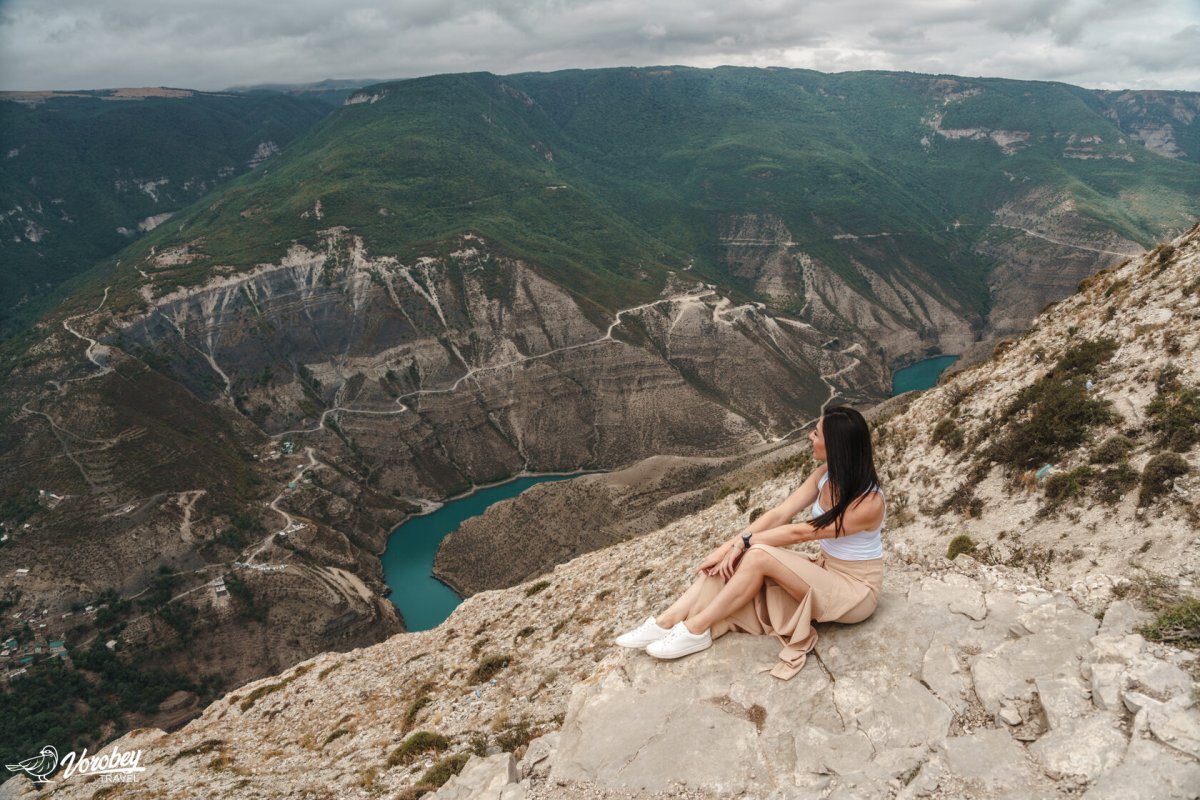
x=416, y=745
x=1063, y=485
x=947, y=434
x=414, y=708
x=1159, y=475
x=1085, y=356
x=536, y=587
x=72, y=707
x=1177, y=624
x=270, y=688
x=85, y=166
x=514, y=735
x=961, y=544
x=487, y=667
x=444, y=770
x=606, y=179
x=1115, y=482
x=1112, y=450
x=1106, y=485
x=1055, y=414
x=1175, y=412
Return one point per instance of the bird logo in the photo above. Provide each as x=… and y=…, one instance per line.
x=40, y=766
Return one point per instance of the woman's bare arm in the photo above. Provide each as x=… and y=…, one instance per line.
x=782, y=514
x=864, y=515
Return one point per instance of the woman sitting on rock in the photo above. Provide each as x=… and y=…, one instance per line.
x=754, y=583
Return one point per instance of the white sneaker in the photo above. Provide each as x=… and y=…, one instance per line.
x=680, y=642
x=649, y=631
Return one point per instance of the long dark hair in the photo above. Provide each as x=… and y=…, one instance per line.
x=851, y=463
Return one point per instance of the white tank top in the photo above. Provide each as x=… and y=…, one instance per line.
x=857, y=546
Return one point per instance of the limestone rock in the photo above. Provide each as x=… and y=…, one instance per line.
x=993, y=760
x=484, y=777
x=1085, y=747
x=958, y=592
x=1120, y=618
x=1148, y=771
x=1176, y=723
x=940, y=671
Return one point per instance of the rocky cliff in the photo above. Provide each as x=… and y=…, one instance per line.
x=1009, y=673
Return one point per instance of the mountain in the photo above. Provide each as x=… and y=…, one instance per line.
x=333, y=91
x=1164, y=122
x=85, y=173
x=453, y=280
x=1035, y=636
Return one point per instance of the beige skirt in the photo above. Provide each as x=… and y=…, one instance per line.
x=840, y=591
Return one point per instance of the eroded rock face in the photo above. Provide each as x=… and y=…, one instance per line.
x=469, y=368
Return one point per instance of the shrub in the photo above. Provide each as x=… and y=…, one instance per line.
x=1112, y=450
x=1113, y=483
x=417, y=744
x=947, y=434
x=535, y=588
x=1084, y=357
x=410, y=714
x=488, y=666
x=1064, y=485
x=1158, y=476
x=340, y=732
x=960, y=544
x=1060, y=415
x=801, y=462
x=514, y=736
x=1175, y=415
x=445, y=769
x=1178, y=624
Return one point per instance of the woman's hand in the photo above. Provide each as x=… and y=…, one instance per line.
x=712, y=561
x=729, y=563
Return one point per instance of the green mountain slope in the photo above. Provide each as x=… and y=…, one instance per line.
x=82, y=175
x=609, y=178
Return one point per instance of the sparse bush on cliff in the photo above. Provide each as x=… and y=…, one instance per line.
x=1175, y=412
x=947, y=434
x=1084, y=357
x=797, y=462
x=488, y=666
x=416, y=745
x=1112, y=450
x=410, y=713
x=444, y=770
x=1177, y=624
x=1159, y=475
x=1064, y=485
x=535, y=588
x=1046, y=419
x=960, y=544
x=1113, y=483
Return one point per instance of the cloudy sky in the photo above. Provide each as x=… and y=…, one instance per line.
x=214, y=44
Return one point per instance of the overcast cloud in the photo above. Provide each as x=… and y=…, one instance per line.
x=214, y=44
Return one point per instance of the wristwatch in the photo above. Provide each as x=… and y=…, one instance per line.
x=746, y=540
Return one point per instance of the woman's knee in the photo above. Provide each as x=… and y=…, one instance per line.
x=757, y=557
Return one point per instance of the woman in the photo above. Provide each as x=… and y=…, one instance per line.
x=756, y=584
